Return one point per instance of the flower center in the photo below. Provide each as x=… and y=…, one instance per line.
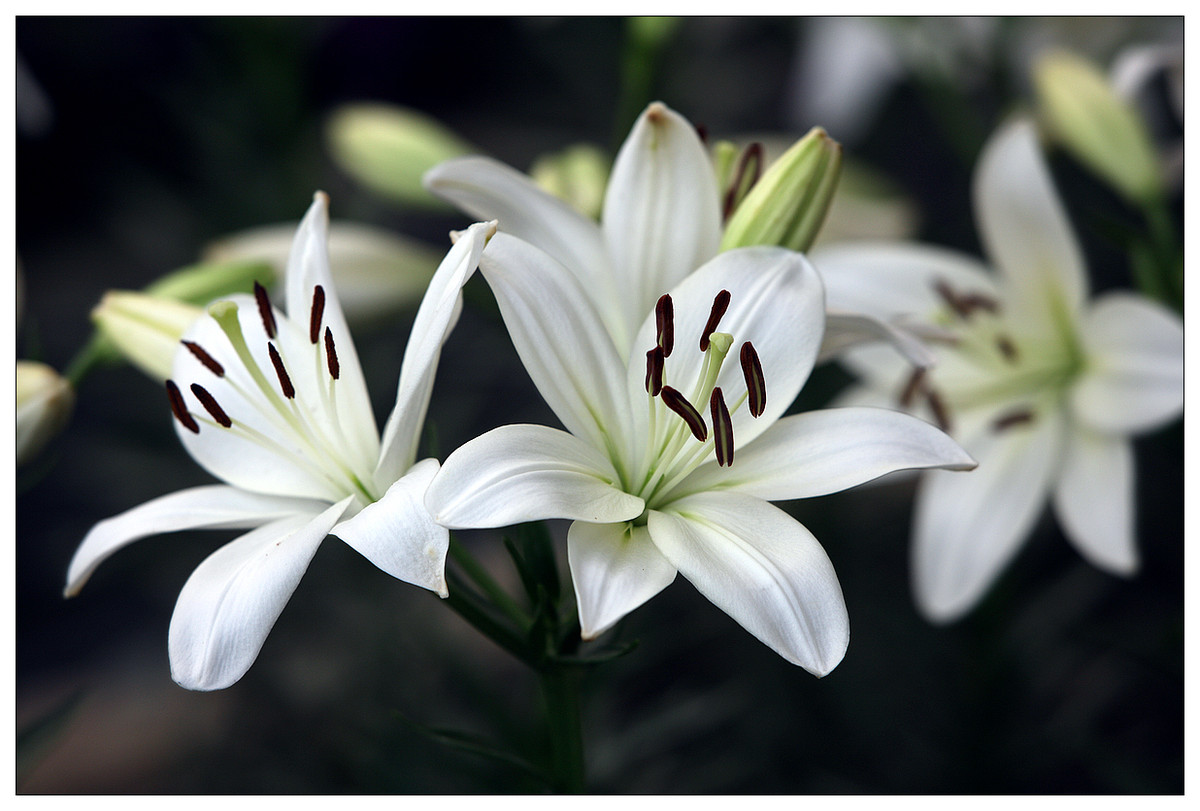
x=302, y=428
x=678, y=437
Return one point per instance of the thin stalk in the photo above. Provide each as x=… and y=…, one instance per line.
x=560, y=686
x=488, y=585
x=466, y=604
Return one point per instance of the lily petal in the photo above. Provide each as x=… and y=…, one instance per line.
x=821, y=452
x=844, y=330
x=615, y=568
x=561, y=340
x=519, y=473
x=214, y=506
x=1094, y=500
x=761, y=567
x=967, y=528
x=399, y=535
x=1024, y=227
x=230, y=603
x=435, y=319
x=1134, y=378
x=661, y=211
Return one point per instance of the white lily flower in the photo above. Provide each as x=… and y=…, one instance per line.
x=1041, y=385
x=646, y=469
x=661, y=220
x=275, y=405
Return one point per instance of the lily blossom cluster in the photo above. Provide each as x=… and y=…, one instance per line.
x=274, y=404
x=1043, y=386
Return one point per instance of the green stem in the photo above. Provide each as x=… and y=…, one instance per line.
x=560, y=686
x=490, y=587
x=463, y=602
x=95, y=352
x=1168, y=262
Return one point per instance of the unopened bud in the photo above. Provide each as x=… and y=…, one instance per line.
x=212, y=279
x=788, y=204
x=578, y=175
x=1104, y=132
x=144, y=329
x=44, y=402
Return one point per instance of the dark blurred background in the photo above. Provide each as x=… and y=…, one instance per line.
x=140, y=140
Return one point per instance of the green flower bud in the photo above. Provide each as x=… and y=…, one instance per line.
x=44, y=403
x=144, y=329
x=1084, y=113
x=201, y=283
x=787, y=206
x=578, y=174
x=725, y=155
x=388, y=148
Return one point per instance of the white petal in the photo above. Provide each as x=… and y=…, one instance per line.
x=520, y=473
x=561, y=341
x=1134, y=376
x=662, y=218
x=763, y=568
x=615, y=568
x=776, y=303
x=435, y=319
x=844, y=330
x=399, y=535
x=230, y=603
x=489, y=190
x=821, y=452
x=1094, y=500
x=967, y=526
x=214, y=506
x=1023, y=225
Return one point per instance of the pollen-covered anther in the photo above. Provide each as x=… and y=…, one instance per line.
x=680, y=405
x=210, y=405
x=655, y=360
x=208, y=360
x=941, y=415
x=914, y=384
x=756, y=382
x=964, y=304
x=264, y=310
x=722, y=428
x=664, y=319
x=285, y=382
x=720, y=305
x=1021, y=416
x=317, y=312
x=331, y=358
x=1007, y=348
x=179, y=408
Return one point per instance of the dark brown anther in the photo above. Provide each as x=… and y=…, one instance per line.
x=208, y=360
x=962, y=304
x=916, y=382
x=654, y=370
x=1019, y=417
x=977, y=301
x=720, y=305
x=679, y=404
x=318, y=310
x=331, y=359
x=264, y=310
x=285, y=382
x=179, y=408
x=756, y=382
x=210, y=405
x=1007, y=348
x=722, y=428
x=664, y=318
x=749, y=165
x=940, y=415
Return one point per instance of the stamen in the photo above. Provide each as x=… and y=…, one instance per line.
x=722, y=428
x=208, y=360
x=264, y=310
x=664, y=317
x=285, y=382
x=916, y=382
x=654, y=370
x=679, y=404
x=1018, y=417
x=978, y=301
x=756, y=382
x=331, y=358
x=720, y=305
x=318, y=310
x=738, y=187
x=1007, y=348
x=940, y=415
x=210, y=405
x=964, y=304
x=179, y=408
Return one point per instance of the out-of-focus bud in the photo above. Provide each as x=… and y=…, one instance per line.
x=144, y=329
x=377, y=272
x=725, y=155
x=578, y=174
x=388, y=148
x=44, y=402
x=787, y=206
x=1085, y=114
x=201, y=283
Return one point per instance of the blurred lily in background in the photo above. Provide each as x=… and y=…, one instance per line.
x=44, y=401
x=1042, y=386
x=279, y=411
